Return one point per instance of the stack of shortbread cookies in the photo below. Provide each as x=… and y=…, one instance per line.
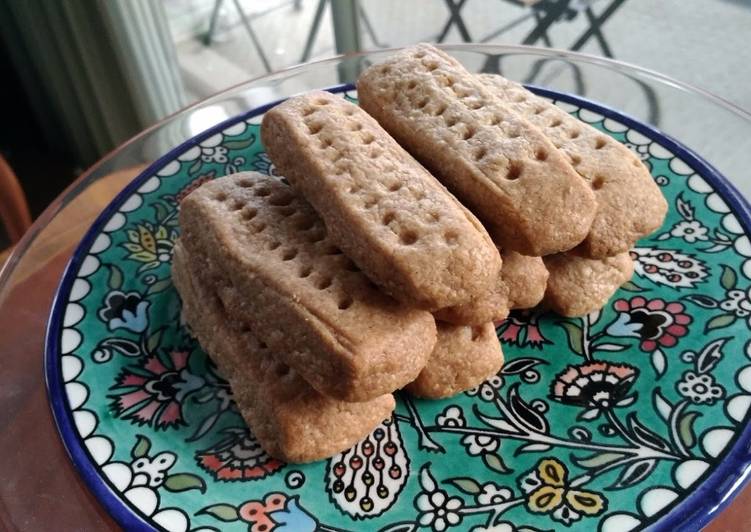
x=402, y=230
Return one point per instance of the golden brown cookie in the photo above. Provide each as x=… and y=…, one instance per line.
x=630, y=205
x=394, y=219
x=498, y=164
x=291, y=421
x=308, y=302
x=491, y=306
x=525, y=278
x=579, y=285
x=463, y=358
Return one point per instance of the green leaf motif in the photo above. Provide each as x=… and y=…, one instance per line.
x=718, y=322
x=467, y=485
x=630, y=286
x=686, y=428
x=223, y=512
x=597, y=460
x=494, y=462
x=238, y=144
x=729, y=278
x=195, y=167
x=575, y=337
x=184, y=482
x=153, y=341
x=115, y=280
x=141, y=448
x=662, y=405
x=159, y=286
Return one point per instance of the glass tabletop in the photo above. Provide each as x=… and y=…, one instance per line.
x=33, y=467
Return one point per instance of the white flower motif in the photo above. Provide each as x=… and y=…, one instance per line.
x=641, y=150
x=438, y=511
x=487, y=390
x=217, y=154
x=480, y=444
x=565, y=514
x=451, y=417
x=151, y=471
x=690, y=231
x=700, y=388
x=492, y=493
x=738, y=302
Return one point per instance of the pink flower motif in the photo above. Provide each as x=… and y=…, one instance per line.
x=521, y=328
x=153, y=392
x=594, y=384
x=238, y=457
x=654, y=321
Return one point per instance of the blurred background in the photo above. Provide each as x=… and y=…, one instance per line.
x=81, y=77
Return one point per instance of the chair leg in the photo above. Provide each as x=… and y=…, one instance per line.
x=253, y=36
x=369, y=26
x=212, y=24
x=313, y=31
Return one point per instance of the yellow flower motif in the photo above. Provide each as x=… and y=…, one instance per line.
x=150, y=245
x=548, y=493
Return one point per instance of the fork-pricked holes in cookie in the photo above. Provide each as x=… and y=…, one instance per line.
x=514, y=170
x=439, y=109
x=220, y=197
x=257, y=227
x=598, y=182
x=451, y=237
x=574, y=133
x=368, y=138
x=388, y=218
x=555, y=122
x=600, y=142
x=244, y=183
x=323, y=282
x=408, y=237
x=344, y=302
x=495, y=119
x=304, y=271
x=541, y=154
x=274, y=244
x=314, y=128
x=248, y=213
x=479, y=153
x=575, y=159
x=467, y=132
x=289, y=254
x=262, y=192
x=477, y=333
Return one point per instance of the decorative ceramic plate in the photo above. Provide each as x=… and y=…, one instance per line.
x=632, y=417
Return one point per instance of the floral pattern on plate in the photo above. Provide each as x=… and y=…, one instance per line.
x=605, y=422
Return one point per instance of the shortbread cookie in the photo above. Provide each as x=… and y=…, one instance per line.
x=499, y=165
x=394, y=219
x=291, y=421
x=463, y=358
x=525, y=278
x=579, y=285
x=520, y=285
x=308, y=302
x=491, y=306
x=630, y=205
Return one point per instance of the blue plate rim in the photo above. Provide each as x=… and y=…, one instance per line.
x=692, y=513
